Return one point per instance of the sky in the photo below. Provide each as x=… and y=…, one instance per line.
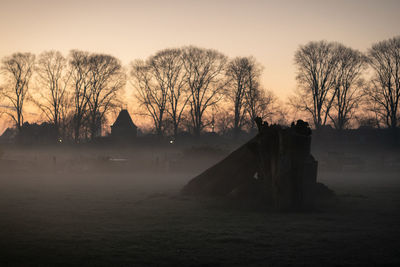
x=271, y=31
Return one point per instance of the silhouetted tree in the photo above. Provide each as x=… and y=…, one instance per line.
x=178, y=93
x=348, y=85
x=222, y=121
x=242, y=73
x=53, y=76
x=367, y=120
x=18, y=69
x=259, y=103
x=150, y=93
x=205, y=79
x=384, y=92
x=168, y=75
x=80, y=79
x=107, y=78
x=316, y=75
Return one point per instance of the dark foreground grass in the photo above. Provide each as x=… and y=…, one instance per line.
x=70, y=219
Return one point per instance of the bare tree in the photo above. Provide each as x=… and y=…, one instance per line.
x=80, y=78
x=53, y=77
x=107, y=78
x=168, y=72
x=259, y=103
x=384, y=92
x=242, y=73
x=18, y=69
x=348, y=86
x=150, y=94
x=281, y=113
x=367, y=119
x=316, y=75
x=205, y=79
x=222, y=120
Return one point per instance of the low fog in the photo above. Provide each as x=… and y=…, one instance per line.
x=121, y=205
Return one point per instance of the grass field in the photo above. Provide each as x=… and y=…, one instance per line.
x=99, y=218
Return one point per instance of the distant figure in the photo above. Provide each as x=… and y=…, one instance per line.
x=54, y=160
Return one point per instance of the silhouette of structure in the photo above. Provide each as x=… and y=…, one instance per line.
x=33, y=133
x=275, y=167
x=123, y=127
x=8, y=135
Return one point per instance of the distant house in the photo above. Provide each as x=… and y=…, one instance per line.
x=123, y=127
x=33, y=133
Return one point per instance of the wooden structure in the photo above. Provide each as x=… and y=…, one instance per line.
x=276, y=166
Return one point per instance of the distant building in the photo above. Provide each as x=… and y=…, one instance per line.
x=123, y=127
x=9, y=135
x=33, y=133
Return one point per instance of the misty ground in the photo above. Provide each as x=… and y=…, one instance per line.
x=122, y=207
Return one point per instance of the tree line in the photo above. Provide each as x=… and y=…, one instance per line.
x=337, y=82
x=192, y=88
x=189, y=89
x=75, y=93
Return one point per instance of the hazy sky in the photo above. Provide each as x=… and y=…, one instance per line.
x=271, y=31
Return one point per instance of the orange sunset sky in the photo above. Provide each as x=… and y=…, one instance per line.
x=271, y=31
